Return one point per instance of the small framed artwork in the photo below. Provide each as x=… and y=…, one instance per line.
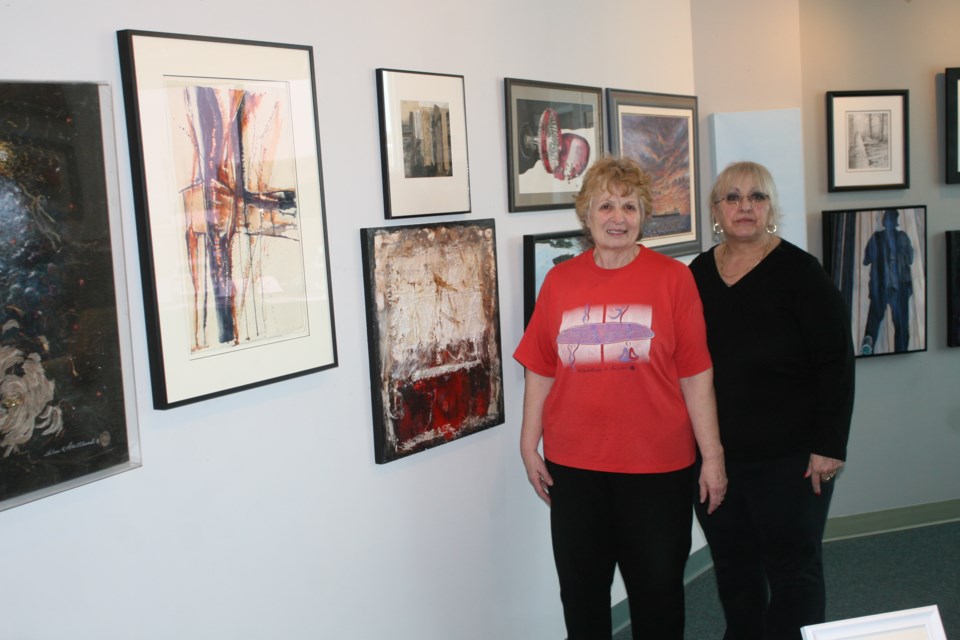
x=952, y=122
x=68, y=411
x=878, y=260
x=554, y=132
x=433, y=327
x=922, y=623
x=542, y=252
x=867, y=140
x=423, y=143
x=225, y=157
x=659, y=131
x=953, y=288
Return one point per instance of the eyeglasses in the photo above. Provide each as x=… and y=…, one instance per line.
x=736, y=199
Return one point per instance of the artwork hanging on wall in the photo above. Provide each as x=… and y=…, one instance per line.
x=659, y=131
x=868, y=146
x=433, y=327
x=67, y=403
x=554, y=132
x=542, y=252
x=878, y=260
x=952, y=124
x=953, y=288
x=225, y=157
x=423, y=143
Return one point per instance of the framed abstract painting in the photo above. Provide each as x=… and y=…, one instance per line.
x=554, y=132
x=659, y=131
x=423, y=143
x=67, y=399
x=225, y=158
x=542, y=252
x=433, y=327
x=878, y=260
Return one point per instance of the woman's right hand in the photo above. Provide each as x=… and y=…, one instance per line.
x=537, y=475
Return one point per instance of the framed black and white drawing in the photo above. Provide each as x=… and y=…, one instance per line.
x=423, y=143
x=867, y=140
x=878, y=260
x=225, y=156
x=554, y=132
x=659, y=131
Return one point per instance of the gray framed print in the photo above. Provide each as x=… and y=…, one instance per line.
x=659, y=131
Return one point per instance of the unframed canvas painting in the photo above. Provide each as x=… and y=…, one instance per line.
x=434, y=331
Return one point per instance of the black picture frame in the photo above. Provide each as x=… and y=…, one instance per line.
x=951, y=119
x=868, y=141
x=554, y=132
x=423, y=143
x=223, y=311
x=888, y=308
x=541, y=252
x=953, y=288
x=660, y=132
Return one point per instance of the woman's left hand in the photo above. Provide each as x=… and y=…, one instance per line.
x=821, y=469
x=713, y=482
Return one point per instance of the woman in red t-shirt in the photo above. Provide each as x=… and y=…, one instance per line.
x=619, y=388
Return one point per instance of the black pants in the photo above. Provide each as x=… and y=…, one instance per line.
x=766, y=543
x=640, y=522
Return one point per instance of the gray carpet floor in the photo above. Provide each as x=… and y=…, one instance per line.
x=865, y=575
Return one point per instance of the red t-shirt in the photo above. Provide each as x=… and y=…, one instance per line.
x=617, y=342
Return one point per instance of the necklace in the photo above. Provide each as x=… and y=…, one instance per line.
x=722, y=261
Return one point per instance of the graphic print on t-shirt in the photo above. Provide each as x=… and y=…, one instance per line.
x=605, y=336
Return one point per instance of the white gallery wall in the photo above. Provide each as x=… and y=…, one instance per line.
x=906, y=433
x=262, y=514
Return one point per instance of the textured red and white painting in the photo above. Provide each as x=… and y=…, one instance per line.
x=433, y=327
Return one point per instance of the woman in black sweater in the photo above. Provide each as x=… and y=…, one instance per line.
x=780, y=339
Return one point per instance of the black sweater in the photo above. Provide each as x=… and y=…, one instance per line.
x=783, y=358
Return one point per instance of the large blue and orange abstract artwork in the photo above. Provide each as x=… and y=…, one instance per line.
x=433, y=326
x=236, y=172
